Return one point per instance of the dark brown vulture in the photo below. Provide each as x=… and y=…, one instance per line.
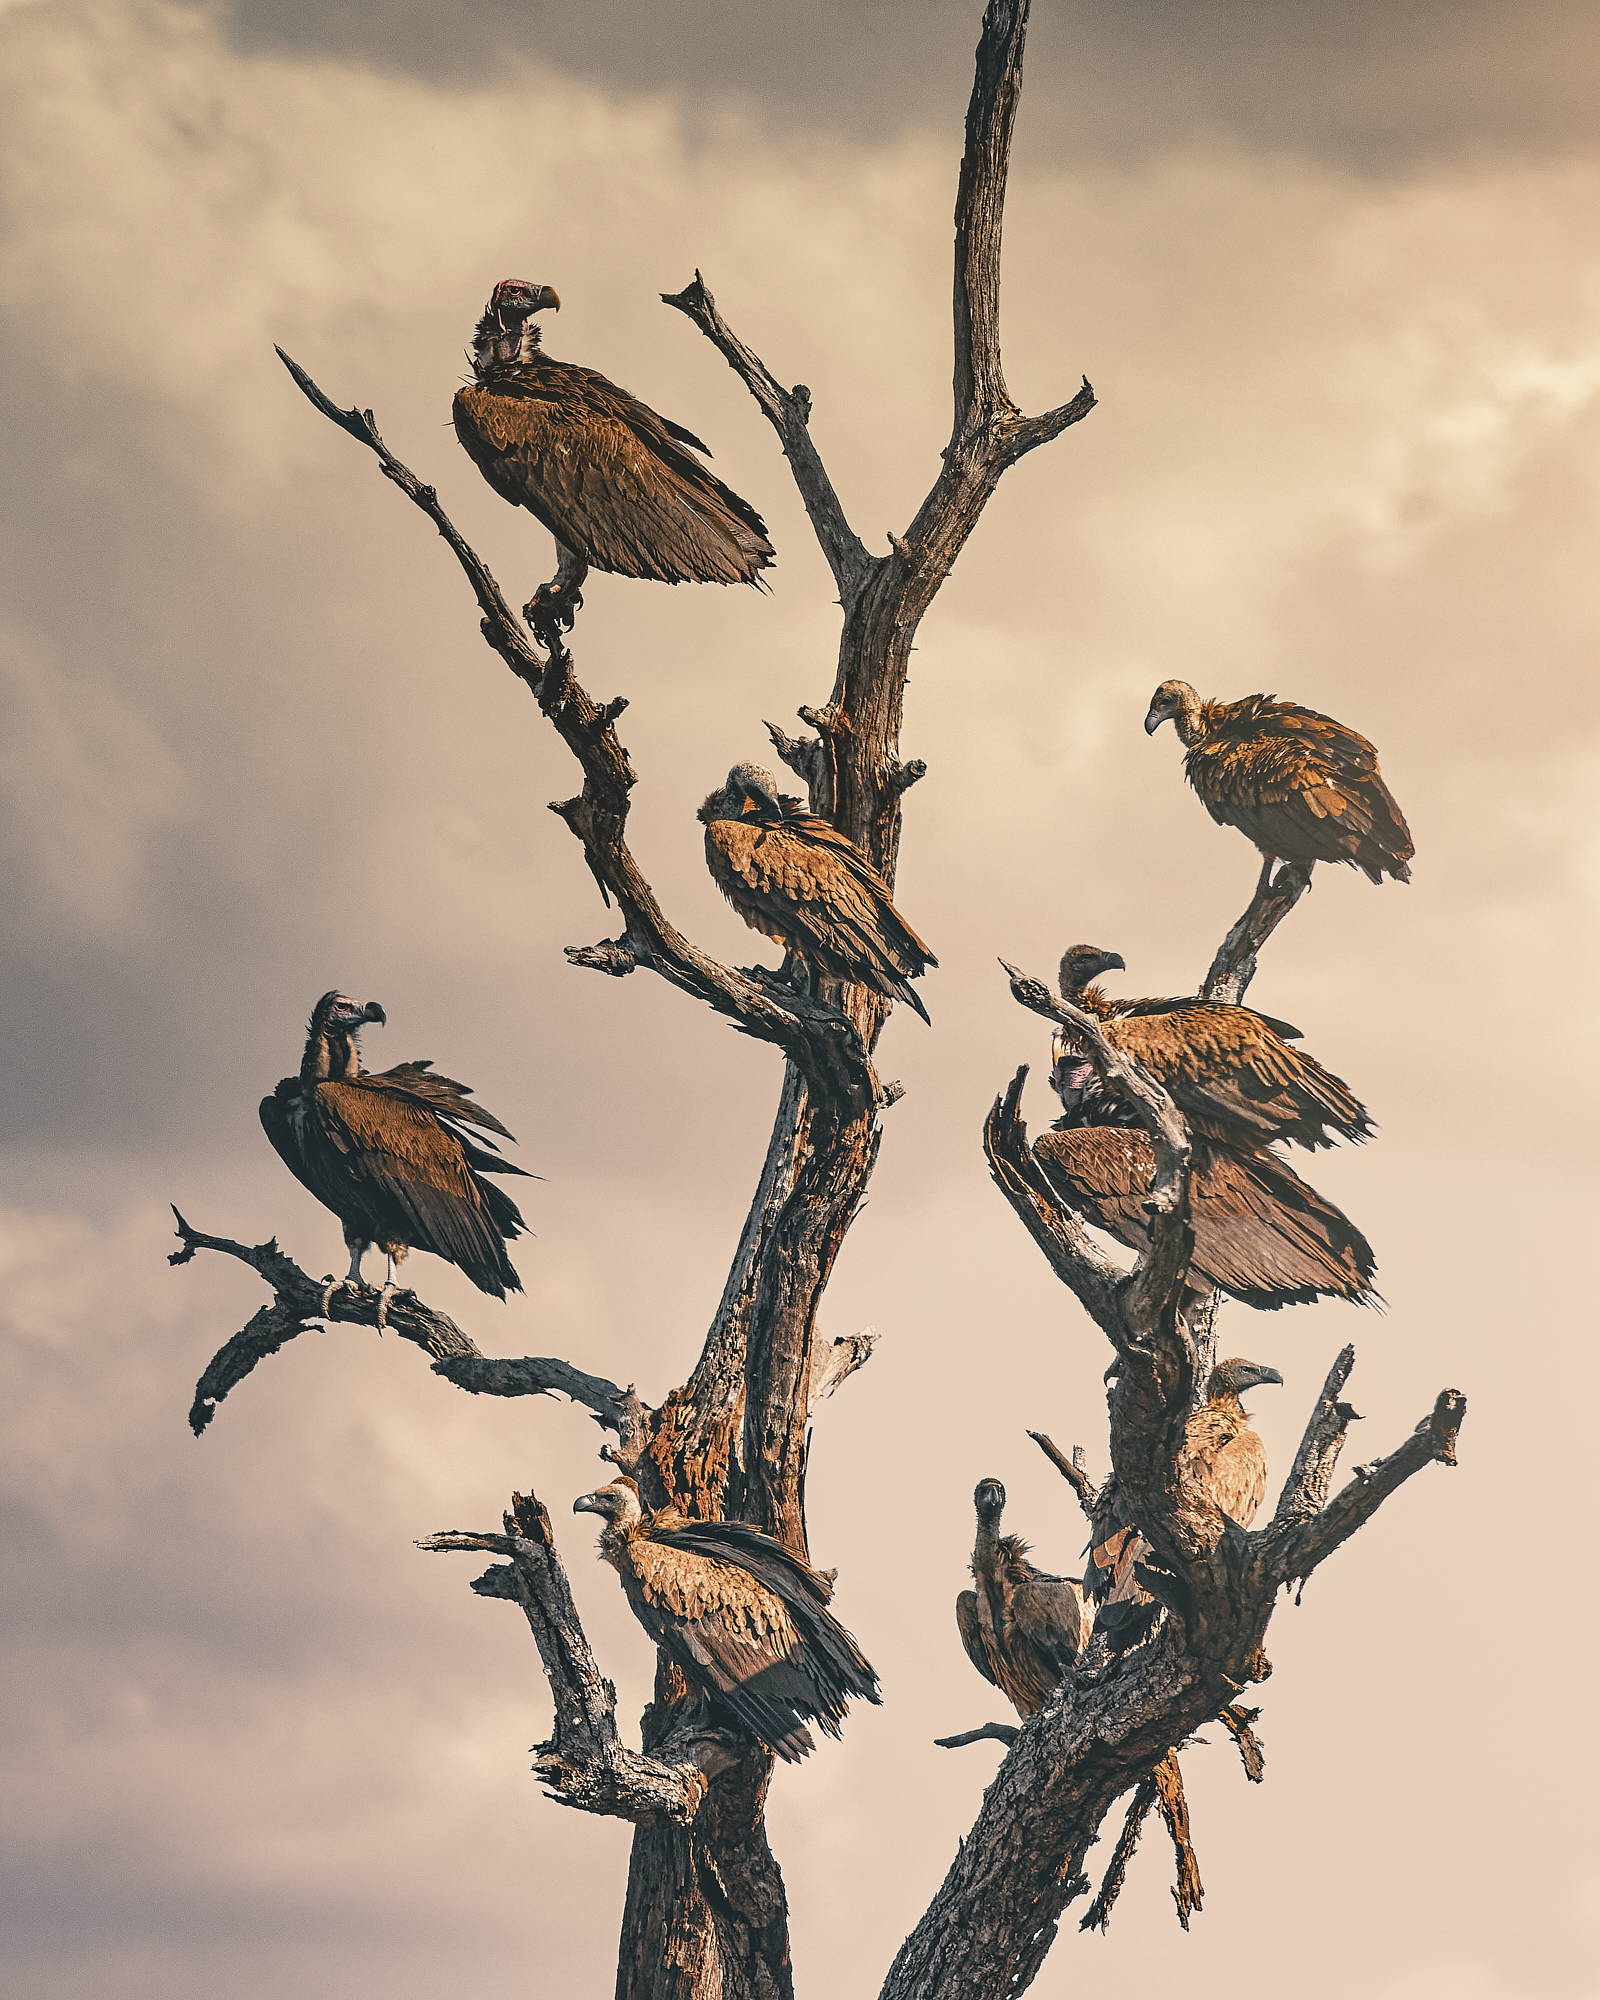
x=1223, y=1462
x=746, y=1621
x=620, y=488
x=795, y=879
x=386, y=1154
x=1022, y=1629
x=1260, y=1232
x=1228, y=1069
x=1299, y=784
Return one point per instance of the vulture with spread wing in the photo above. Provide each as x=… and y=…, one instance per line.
x=1022, y=1629
x=1229, y=1069
x=387, y=1153
x=796, y=879
x=1223, y=1463
x=747, y=1622
x=1261, y=1233
x=619, y=487
x=1298, y=784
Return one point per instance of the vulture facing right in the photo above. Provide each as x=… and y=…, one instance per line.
x=1022, y=1629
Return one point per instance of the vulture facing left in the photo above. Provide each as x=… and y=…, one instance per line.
x=796, y=879
x=1022, y=1629
x=387, y=1154
x=747, y=1622
x=1223, y=1464
x=619, y=487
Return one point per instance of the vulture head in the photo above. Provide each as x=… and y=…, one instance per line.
x=1071, y=1072
x=989, y=1498
x=748, y=785
x=1082, y=962
x=1232, y=1378
x=1175, y=702
x=506, y=332
x=618, y=1502
x=332, y=1052
x=336, y=1011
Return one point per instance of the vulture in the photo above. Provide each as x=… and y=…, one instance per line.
x=387, y=1154
x=1223, y=1461
x=1299, y=784
x=1228, y=1069
x=746, y=1621
x=620, y=488
x=796, y=879
x=1261, y=1234
x=1022, y=1629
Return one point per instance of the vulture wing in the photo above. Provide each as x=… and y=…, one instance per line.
x=611, y=480
x=1260, y=1233
x=394, y=1167
x=977, y=1636
x=1300, y=785
x=801, y=882
x=1230, y=1463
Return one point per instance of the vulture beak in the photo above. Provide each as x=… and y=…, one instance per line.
x=588, y=1503
x=549, y=300
x=1268, y=1375
x=1113, y=962
x=373, y=1012
x=1153, y=722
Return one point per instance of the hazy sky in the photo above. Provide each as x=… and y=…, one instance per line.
x=1333, y=274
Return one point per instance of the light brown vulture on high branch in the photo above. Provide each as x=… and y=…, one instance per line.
x=1223, y=1462
x=1299, y=784
x=619, y=487
x=747, y=1622
x=796, y=879
x=386, y=1153
x=1022, y=1629
x=1229, y=1070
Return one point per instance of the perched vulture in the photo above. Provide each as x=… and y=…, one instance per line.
x=1022, y=1629
x=795, y=879
x=620, y=488
x=1260, y=1233
x=1223, y=1461
x=1299, y=784
x=387, y=1155
x=746, y=1621
x=1228, y=1069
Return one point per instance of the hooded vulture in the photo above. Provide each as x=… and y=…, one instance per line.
x=1229, y=1069
x=1022, y=1629
x=1223, y=1462
x=747, y=1622
x=387, y=1153
x=796, y=879
x=620, y=488
x=1299, y=784
x=1261, y=1233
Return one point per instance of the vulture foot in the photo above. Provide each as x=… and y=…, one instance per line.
x=345, y=1284
x=390, y=1289
x=554, y=605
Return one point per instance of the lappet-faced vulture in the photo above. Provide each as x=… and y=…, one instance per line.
x=1224, y=1465
x=1298, y=784
x=619, y=487
x=1022, y=1629
x=1229, y=1069
x=387, y=1153
x=747, y=1622
x=796, y=879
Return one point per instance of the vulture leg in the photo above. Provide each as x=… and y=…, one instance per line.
x=389, y=1290
x=554, y=605
x=352, y=1281
x=1269, y=861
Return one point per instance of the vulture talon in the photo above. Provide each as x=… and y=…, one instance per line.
x=343, y=1284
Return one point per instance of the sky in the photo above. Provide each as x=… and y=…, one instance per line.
x=1333, y=275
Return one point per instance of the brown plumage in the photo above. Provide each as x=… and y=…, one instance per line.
x=386, y=1154
x=1228, y=1069
x=619, y=487
x=796, y=879
x=746, y=1621
x=1299, y=784
x=1224, y=1465
x=1260, y=1232
x=1022, y=1629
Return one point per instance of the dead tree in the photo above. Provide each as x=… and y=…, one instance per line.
x=706, y=1916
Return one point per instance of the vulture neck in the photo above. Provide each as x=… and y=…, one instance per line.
x=500, y=355
x=614, y=1541
x=1092, y=1000
x=330, y=1057
x=1194, y=720
x=986, y=1545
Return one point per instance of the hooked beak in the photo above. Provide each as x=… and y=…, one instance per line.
x=549, y=299
x=1153, y=722
x=373, y=1012
x=587, y=1503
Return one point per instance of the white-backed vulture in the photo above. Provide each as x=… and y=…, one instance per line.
x=1224, y=1464
x=1229, y=1069
x=796, y=879
x=619, y=487
x=745, y=1620
x=386, y=1153
x=1298, y=784
x=1022, y=1629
